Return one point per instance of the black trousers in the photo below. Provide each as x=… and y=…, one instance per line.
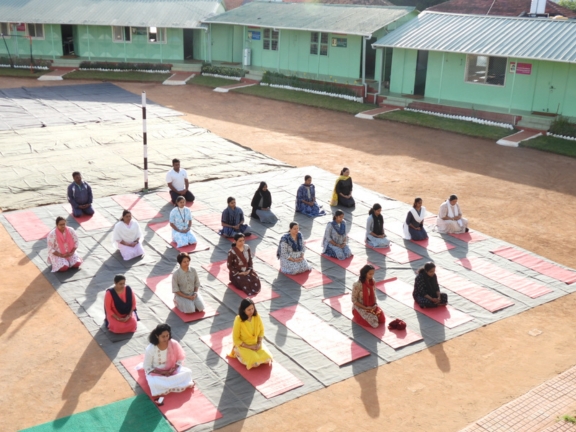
x=189, y=196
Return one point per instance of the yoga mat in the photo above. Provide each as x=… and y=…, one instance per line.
x=309, y=279
x=402, y=292
x=393, y=338
x=184, y=410
x=269, y=380
x=352, y=264
x=469, y=237
x=194, y=205
x=504, y=277
x=395, y=252
x=214, y=222
x=322, y=337
x=433, y=244
x=537, y=264
x=220, y=272
x=140, y=209
x=96, y=221
x=164, y=230
x=28, y=225
x=162, y=287
x=481, y=296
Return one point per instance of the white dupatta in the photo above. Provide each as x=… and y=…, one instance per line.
x=126, y=233
x=456, y=210
x=419, y=218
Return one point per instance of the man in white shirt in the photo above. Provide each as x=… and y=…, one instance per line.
x=177, y=179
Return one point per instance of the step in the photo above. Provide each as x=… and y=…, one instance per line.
x=179, y=78
x=399, y=102
x=253, y=77
x=187, y=67
x=66, y=63
x=257, y=73
x=542, y=123
x=370, y=114
x=515, y=139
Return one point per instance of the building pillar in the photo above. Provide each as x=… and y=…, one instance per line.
x=441, y=75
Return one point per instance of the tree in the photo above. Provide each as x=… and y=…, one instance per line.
x=570, y=4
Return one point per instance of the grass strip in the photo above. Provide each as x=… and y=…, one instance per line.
x=212, y=82
x=21, y=73
x=458, y=126
x=118, y=76
x=552, y=145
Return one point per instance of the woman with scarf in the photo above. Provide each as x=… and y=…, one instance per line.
x=365, y=307
x=306, y=199
x=240, y=267
x=342, y=194
x=181, y=223
x=62, y=246
x=261, y=204
x=127, y=237
x=335, y=241
x=414, y=225
x=291, y=252
x=426, y=289
x=233, y=220
x=120, y=307
x=248, y=335
x=449, y=219
x=375, y=235
x=163, y=363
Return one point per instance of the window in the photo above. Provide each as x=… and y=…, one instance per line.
x=319, y=43
x=5, y=29
x=486, y=70
x=156, y=35
x=270, y=39
x=35, y=31
x=121, y=34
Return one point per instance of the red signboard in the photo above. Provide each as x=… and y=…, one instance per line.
x=524, y=68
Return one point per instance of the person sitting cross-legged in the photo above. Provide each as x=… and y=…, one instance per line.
x=177, y=180
x=426, y=289
x=80, y=196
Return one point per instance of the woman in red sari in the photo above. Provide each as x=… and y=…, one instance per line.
x=120, y=307
x=365, y=307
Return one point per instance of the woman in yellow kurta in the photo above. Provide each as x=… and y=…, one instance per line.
x=247, y=335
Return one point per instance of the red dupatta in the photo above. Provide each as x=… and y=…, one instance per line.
x=369, y=295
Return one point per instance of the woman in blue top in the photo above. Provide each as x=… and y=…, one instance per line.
x=335, y=242
x=181, y=223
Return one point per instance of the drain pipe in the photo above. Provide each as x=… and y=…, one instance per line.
x=364, y=39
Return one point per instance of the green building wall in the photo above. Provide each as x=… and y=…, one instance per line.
x=19, y=45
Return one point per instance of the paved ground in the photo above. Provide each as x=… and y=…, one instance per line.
x=520, y=195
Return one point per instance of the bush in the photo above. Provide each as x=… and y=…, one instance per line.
x=294, y=81
x=207, y=68
x=562, y=126
x=125, y=66
x=23, y=62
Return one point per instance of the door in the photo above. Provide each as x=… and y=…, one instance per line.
x=370, y=59
x=421, y=70
x=550, y=88
x=188, y=44
x=67, y=39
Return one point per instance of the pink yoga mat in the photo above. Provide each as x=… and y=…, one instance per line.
x=502, y=276
x=537, y=264
x=322, y=337
x=269, y=380
x=28, y=225
x=96, y=221
x=140, y=208
x=469, y=237
x=310, y=279
x=433, y=244
x=220, y=272
x=483, y=297
x=395, y=252
x=353, y=264
x=393, y=338
x=164, y=230
x=162, y=287
x=402, y=292
x=214, y=222
x=194, y=206
x=184, y=410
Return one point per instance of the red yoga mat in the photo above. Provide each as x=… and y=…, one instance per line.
x=214, y=222
x=140, y=209
x=537, y=264
x=433, y=244
x=481, y=296
x=28, y=225
x=393, y=338
x=352, y=264
x=162, y=287
x=402, y=292
x=184, y=410
x=502, y=276
x=469, y=237
x=319, y=335
x=269, y=380
x=309, y=279
x=220, y=272
x=396, y=253
x=164, y=230
x=96, y=221
x=194, y=205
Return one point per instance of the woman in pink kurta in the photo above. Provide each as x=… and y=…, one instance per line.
x=62, y=246
x=120, y=307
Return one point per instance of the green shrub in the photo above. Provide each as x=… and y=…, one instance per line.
x=24, y=61
x=207, y=68
x=562, y=126
x=294, y=81
x=125, y=66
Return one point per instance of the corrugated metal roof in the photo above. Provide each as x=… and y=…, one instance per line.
x=527, y=38
x=346, y=19
x=134, y=13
